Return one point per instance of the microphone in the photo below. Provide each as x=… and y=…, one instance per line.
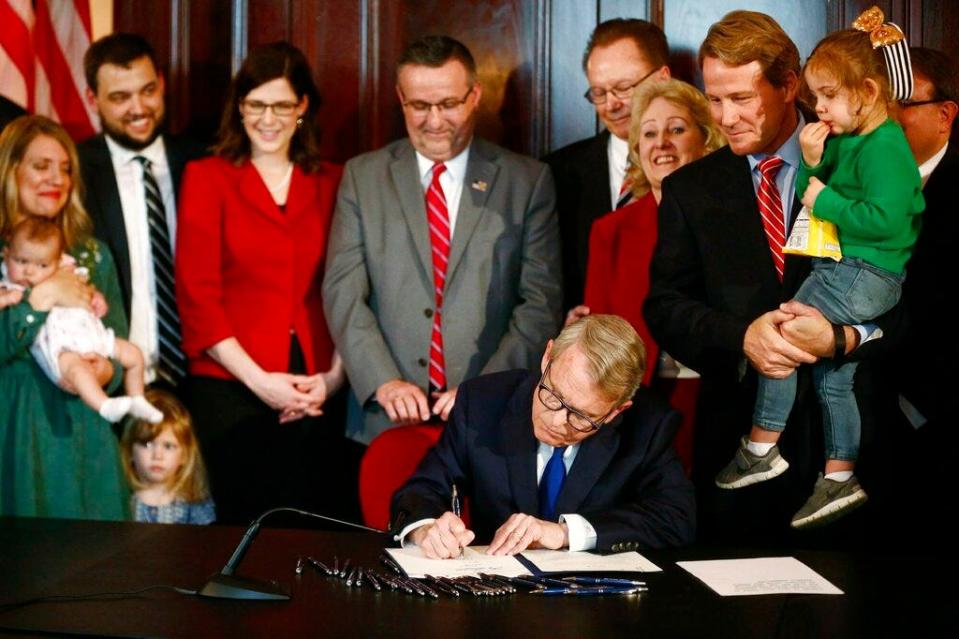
x=227, y=585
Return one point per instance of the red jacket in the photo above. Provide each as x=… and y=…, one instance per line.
x=245, y=269
x=617, y=275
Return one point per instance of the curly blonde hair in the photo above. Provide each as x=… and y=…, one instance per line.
x=682, y=95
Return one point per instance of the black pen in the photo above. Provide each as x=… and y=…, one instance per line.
x=525, y=582
x=359, y=577
x=299, y=566
x=319, y=565
x=346, y=566
x=444, y=588
x=349, y=579
x=555, y=583
x=336, y=565
x=455, y=506
x=371, y=576
x=386, y=560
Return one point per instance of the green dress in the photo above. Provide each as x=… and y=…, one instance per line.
x=58, y=458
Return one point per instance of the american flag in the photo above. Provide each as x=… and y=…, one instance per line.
x=42, y=43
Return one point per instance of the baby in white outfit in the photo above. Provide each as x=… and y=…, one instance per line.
x=33, y=255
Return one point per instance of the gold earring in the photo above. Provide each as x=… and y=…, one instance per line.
x=299, y=122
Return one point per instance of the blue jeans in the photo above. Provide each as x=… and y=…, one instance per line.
x=847, y=292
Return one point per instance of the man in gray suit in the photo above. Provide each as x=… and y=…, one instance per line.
x=443, y=258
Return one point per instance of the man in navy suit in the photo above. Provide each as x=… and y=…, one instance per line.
x=563, y=458
x=589, y=173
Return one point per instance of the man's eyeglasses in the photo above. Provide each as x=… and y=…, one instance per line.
x=574, y=418
x=623, y=91
x=421, y=108
x=914, y=103
x=255, y=107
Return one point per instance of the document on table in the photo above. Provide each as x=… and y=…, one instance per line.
x=566, y=561
x=763, y=576
x=474, y=561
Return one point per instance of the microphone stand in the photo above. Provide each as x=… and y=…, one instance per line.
x=227, y=585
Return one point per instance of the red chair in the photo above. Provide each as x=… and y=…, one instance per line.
x=389, y=461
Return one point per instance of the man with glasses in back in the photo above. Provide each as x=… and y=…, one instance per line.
x=131, y=174
x=591, y=174
x=570, y=457
x=927, y=373
x=443, y=259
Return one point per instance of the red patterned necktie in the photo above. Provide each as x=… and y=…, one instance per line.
x=439, y=220
x=771, y=210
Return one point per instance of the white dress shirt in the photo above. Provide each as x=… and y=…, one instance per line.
x=617, y=155
x=129, y=172
x=451, y=180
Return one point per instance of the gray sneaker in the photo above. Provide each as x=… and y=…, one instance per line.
x=746, y=468
x=829, y=501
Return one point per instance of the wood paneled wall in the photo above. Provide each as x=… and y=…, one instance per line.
x=528, y=52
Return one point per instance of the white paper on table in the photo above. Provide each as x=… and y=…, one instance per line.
x=474, y=561
x=762, y=576
x=577, y=561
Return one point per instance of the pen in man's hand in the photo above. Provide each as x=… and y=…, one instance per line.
x=455, y=506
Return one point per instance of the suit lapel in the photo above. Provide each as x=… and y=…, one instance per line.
x=103, y=185
x=591, y=461
x=520, y=447
x=480, y=171
x=302, y=195
x=597, y=195
x=253, y=190
x=407, y=185
x=176, y=161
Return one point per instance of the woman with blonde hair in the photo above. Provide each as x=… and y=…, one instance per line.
x=670, y=127
x=58, y=457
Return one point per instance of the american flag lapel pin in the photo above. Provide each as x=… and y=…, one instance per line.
x=479, y=185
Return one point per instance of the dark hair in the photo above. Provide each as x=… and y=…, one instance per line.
x=118, y=48
x=940, y=69
x=263, y=64
x=435, y=51
x=649, y=38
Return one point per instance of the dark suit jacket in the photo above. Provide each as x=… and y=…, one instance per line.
x=102, y=196
x=712, y=275
x=928, y=364
x=9, y=111
x=581, y=171
x=626, y=480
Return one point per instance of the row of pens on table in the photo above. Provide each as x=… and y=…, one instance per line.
x=484, y=585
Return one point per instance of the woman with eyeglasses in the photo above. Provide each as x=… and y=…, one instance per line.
x=251, y=246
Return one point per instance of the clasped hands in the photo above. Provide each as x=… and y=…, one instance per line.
x=777, y=342
x=447, y=536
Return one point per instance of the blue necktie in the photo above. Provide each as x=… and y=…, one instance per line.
x=554, y=476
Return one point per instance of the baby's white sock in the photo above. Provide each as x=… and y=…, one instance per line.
x=114, y=409
x=142, y=409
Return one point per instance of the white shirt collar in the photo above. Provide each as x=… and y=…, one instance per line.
x=455, y=166
x=155, y=151
x=619, y=152
x=927, y=167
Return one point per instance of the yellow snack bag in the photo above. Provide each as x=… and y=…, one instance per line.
x=814, y=237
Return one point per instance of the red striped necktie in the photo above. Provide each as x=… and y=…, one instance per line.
x=439, y=220
x=771, y=210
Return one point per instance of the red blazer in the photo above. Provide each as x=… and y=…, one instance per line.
x=621, y=247
x=245, y=269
